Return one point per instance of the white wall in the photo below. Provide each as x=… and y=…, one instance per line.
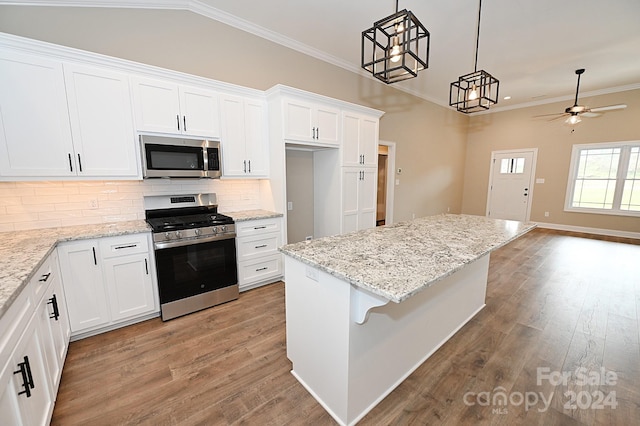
x=34, y=205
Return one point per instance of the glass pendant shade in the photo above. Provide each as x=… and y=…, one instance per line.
x=396, y=47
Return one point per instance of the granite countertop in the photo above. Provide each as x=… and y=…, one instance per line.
x=22, y=252
x=398, y=261
x=244, y=215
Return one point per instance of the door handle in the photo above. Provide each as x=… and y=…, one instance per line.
x=53, y=301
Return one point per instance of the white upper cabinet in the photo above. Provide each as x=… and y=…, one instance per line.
x=64, y=121
x=35, y=135
x=311, y=122
x=167, y=107
x=244, y=137
x=360, y=140
x=104, y=139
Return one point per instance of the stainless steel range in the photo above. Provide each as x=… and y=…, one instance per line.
x=195, y=250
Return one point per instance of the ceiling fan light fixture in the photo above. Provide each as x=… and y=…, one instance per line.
x=396, y=47
x=573, y=119
x=475, y=91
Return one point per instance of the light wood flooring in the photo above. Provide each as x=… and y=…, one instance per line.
x=555, y=302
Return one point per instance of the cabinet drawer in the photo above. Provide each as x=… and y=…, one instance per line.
x=258, y=246
x=261, y=269
x=255, y=227
x=123, y=245
x=44, y=275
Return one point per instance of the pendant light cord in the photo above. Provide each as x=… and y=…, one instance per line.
x=475, y=66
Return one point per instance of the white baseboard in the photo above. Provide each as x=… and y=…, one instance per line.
x=586, y=230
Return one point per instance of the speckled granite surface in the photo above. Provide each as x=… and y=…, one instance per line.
x=22, y=252
x=397, y=261
x=244, y=215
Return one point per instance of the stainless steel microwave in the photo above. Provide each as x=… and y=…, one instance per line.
x=175, y=157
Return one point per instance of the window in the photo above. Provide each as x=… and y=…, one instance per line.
x=512, y=165
x=605, y=178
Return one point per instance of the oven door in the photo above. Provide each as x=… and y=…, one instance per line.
x=195, y=268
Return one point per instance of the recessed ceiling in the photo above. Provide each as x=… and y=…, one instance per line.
x=532, y=46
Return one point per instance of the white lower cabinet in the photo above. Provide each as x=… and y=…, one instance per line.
x=33, y=346
x=257, y=243
x=108, y=282
x=358, y=198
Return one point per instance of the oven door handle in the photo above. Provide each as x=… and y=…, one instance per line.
x=182, y=243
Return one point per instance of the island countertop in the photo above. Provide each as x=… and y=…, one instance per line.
x=397, y=261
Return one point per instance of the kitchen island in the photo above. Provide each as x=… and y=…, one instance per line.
x=364, y=310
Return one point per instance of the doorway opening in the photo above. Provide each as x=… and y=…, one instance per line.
x=386, y=182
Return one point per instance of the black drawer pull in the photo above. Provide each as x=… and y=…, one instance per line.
x=27, y=378
x=261, y=246
x=262, y=269
x=45, y=277
x=259, y=227
x=125, y=247
x=54, y=305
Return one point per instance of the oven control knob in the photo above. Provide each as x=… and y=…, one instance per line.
x=177, y=234
x=167, y=235
x=215, y=229
x=223, y=228
x=196, y=231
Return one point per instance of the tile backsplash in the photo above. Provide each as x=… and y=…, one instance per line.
x=33, y=205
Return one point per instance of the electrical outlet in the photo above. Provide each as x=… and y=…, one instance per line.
x=546, y=214
x=93, y=203
x=413, y=215
x=311, y=273
x=308, y=238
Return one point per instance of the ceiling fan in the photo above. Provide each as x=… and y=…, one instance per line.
x=576, y=111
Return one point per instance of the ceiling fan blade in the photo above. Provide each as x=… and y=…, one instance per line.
x=608, y=108
x=549, y=115
x=560, y=116
x=590, y=114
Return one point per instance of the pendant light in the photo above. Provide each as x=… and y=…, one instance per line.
x=396, y=47
x=475, y=91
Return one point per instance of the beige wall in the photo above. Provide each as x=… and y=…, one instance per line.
x=300, y=193
x=430, y=139
x=554, y=140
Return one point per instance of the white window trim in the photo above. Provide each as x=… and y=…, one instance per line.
x=573, y=170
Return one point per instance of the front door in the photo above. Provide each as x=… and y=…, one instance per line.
x=511, y=184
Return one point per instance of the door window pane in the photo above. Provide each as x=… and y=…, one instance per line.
x=512, y=165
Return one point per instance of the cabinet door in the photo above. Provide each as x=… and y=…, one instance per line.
x=15, y=405
x=359, y=140
x=101, y=121
x=256, y=141
x=35, y=136
x=83, y=285
x=54, y=323
x=327, y=125
x=199, y=109
x=129, y=286
x=233, y=137
x=157, y=106
x=298, y=121
x=367, y=198
x=350, y=184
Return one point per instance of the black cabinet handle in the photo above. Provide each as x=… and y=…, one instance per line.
x=184, y=121
x=262, y=269
x=261, y=246
x=27, y=378
x=45, y=277
x=95, y=260
x=178, y=120
x=249, y=166
x=260, y=227
x=317, y=132
x=146, y=266
x=70, y=164
x=127, y=246
x=245, y=166
x=54, y=306
x=79, y=163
